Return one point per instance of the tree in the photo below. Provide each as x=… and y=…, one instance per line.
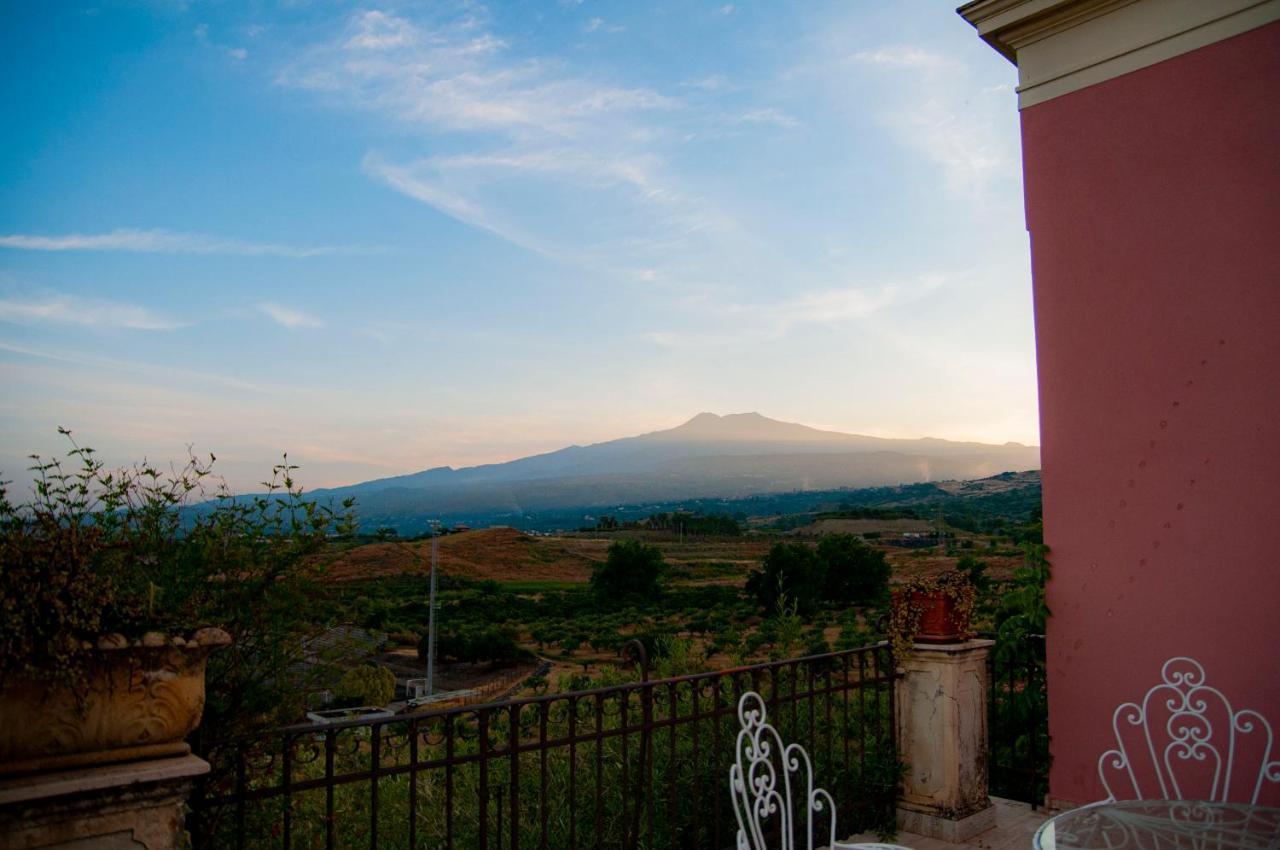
x=632, y=570
x=855, y=573
x=368, y=684
x=790, y=570
x=976, y=569
x=473, y=645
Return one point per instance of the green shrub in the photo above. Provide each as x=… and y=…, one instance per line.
x=854, y=573
x=135, y=550
x=489, y=643
x=368, y=684
x=632, y=571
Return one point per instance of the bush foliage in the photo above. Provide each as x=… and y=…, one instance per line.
x=367, y=684
x=139, y=549
x=632, y=571
x=841, y=570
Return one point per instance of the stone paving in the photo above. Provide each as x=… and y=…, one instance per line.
x=1016, y=824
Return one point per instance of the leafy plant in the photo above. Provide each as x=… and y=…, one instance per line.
x=632, y=570
x=134, y=550
x=841, y=570
x=910, y=605
x=854, y=573
x=790, y=570
x=490, y=643
x=1019, y=714
x=368, y=684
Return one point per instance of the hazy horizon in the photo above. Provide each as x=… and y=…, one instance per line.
x=404, y=236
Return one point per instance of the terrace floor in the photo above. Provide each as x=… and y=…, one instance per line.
x=1016, y=824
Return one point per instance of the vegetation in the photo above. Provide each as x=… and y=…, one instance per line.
x=367, y=684
x=473, y=645
x=978, y=512
x=130, y=551
x=100, y=551
x=913, y=599
x=636, y=789
x=841, y=571
x=632, y=571
x=1019, y=712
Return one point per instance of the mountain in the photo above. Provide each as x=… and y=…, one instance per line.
x=731, y=456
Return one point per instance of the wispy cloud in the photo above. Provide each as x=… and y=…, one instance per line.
x=598, y=24
x=537, y=134
x=376, y=30
x=66, y=309
x=767, y=116
x=289, y=317
x=142, y=368
x=934, y=113
x=710, y=83
x=904, y=57
x=239, y=54
x=750, y=323
x=168, y=242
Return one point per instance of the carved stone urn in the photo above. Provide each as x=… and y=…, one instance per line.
x=139, y=700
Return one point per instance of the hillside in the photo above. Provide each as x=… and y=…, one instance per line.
x=992, y=505
x=710, y=456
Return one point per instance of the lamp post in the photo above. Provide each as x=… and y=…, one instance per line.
x=431, y=610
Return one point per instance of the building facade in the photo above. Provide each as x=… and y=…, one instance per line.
x=1151, y=150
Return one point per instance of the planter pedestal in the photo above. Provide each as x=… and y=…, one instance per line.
x=137, y=805
x=942, y=736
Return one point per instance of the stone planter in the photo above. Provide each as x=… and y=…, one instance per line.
x=139, y=701
x=940, y=622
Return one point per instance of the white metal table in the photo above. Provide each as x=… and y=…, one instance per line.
x=1162, y=825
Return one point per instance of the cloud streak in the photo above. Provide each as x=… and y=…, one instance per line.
x=935, y=115
x=289, y=317
x=169, y=242
x=536, y=135
x=65, y=309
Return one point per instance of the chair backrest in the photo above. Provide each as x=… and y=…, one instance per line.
x=1185, y=741
x=762, y=781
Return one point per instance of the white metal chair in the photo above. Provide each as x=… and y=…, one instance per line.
x=761, y=781
x=1168, y=746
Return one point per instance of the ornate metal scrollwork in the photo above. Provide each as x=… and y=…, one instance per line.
x=1186, y=739
x=762, y=780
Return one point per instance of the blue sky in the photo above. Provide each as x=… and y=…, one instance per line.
x=393, y=236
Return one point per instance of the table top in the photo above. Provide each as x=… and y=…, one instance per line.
x=1162, y=825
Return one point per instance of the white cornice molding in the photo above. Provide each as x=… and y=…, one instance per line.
x=1061, y=46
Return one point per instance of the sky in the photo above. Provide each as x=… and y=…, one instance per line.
x=393, y=236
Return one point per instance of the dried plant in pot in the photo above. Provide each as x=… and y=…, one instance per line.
x=931, y=609
x=116, y=588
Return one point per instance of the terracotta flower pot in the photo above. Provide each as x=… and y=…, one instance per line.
x=138, y=701
x=939, y=619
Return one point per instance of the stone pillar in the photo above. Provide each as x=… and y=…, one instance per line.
x=132, y=806
x=942, y=737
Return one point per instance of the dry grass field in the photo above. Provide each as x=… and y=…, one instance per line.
x=508, y=555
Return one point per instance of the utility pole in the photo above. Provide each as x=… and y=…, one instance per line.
x=431, y=609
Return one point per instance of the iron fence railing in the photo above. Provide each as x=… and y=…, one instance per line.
x=1018, y=719
x=644, y=764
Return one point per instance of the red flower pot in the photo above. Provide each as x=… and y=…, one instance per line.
x=939, y=619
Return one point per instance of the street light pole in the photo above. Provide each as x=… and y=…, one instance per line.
x=431, y=610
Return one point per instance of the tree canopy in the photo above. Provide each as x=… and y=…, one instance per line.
x=840, y=570
x=632, y=570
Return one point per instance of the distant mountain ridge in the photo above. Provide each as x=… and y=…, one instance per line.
x=729, y=456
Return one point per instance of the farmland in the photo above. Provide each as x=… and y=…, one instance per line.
x=535, y=590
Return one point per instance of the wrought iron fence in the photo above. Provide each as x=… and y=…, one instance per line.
x=637, y=765
x=1018, y=719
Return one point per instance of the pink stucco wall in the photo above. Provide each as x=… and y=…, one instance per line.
x=1153, y=202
